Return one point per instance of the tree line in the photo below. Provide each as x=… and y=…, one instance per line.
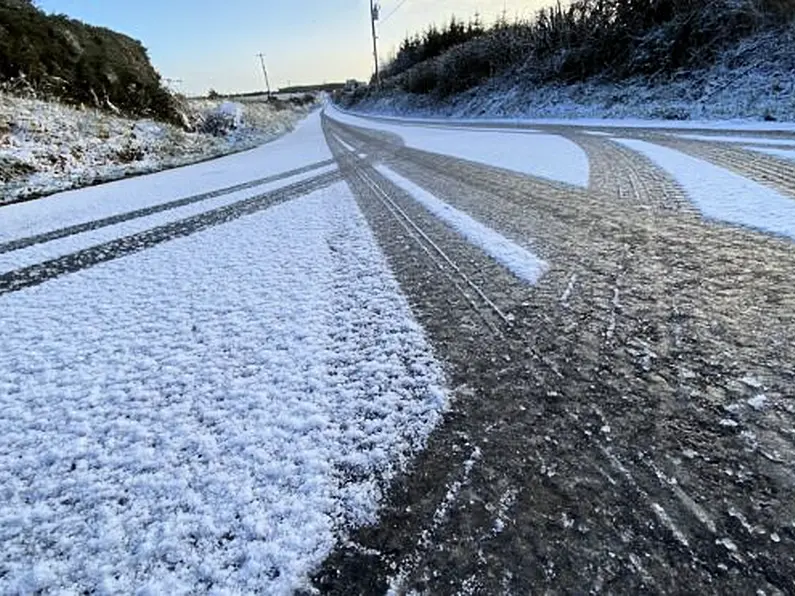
x=611, y=39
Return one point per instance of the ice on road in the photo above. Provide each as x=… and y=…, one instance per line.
x=181, y=424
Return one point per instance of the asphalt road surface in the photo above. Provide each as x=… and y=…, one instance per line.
x=625, y=426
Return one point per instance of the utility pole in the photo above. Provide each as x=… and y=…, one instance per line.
x=265, y=72
x=374, y=10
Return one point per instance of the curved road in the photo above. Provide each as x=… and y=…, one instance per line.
x=620, y=352
x=630, y=427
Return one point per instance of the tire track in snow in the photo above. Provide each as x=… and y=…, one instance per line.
x=37, y=274
x=723, y=195
x=138, y=213
x=627, y=175
x=210, y=414
x=769, y=170
x=513, y=343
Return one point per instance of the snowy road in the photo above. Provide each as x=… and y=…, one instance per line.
x=384, y=355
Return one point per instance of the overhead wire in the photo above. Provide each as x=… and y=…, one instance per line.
x=393, y=11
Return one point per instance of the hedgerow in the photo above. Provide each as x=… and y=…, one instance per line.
x=609, y=39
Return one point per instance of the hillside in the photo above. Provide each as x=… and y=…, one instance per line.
x=55, y=57
x=653, y=58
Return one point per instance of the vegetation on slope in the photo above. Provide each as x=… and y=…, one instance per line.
x=608, y=39
x=53, y=56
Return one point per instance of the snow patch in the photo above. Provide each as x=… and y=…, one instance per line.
x=39, y=253
x=303, y=147
x=739, y=140
x=758, y=402
x=520, y=261
x=53, y=147
x=723, y=195
x=783, y=153
x=232, y=110
x=210, y=414
x=350, y=148
x=542, y=155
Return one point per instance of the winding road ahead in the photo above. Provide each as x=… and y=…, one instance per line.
x=536, y=358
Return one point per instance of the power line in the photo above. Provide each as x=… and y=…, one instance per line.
x=393, y=11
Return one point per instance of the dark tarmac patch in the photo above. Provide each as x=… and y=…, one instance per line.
x=629, y=429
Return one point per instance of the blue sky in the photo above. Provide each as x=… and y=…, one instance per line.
x=213, y=43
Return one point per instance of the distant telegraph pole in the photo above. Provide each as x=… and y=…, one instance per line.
x=374, y=12
x=265, y=72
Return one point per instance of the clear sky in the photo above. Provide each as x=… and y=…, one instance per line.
x=213, y=43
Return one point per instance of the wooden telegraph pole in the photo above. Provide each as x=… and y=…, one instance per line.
x=265, y=72
x=374, y=10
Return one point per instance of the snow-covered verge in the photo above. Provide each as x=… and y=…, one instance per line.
x=751, y=81
x=48, y=147
x=209, y=415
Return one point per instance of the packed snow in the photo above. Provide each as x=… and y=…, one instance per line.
x=723, y=195
x=546, y=156
x=520, y=261
x=305, y=146
x=174, y=424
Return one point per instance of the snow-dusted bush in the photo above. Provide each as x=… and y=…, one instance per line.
x=222, y=120
x=47, y=146
x=609, y=39
x=48, y=56
x=751, y=79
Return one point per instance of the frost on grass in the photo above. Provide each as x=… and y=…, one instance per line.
x=174, y=424
x=303, y=147
x=752, y=80
x=48, y=147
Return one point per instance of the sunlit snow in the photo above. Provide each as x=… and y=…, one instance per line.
x=542, y=155
x=180, y=423
x=723, y=195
